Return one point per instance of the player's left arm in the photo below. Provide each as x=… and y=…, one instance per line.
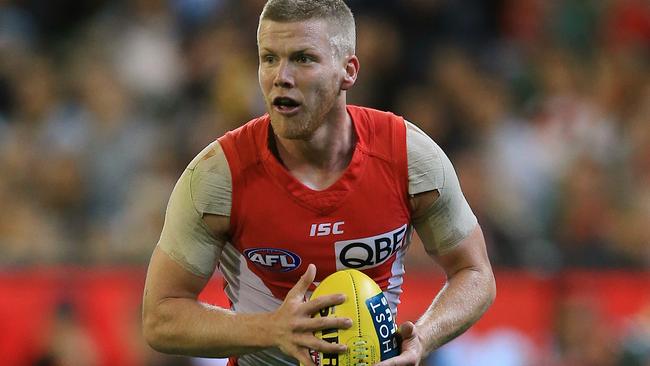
x=469, y=290
x=452, y=236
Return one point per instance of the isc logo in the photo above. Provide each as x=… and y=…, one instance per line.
x=326, y=228
x=368, y=252
x=273, y=259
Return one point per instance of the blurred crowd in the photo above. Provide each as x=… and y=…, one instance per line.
x=543, y=107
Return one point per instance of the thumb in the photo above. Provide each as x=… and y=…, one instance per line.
x=406, y=330
x=301, y=287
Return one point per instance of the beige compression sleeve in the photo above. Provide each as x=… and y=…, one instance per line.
x=449, y=219
x=204, y=187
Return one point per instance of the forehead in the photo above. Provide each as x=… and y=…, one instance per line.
x=300, y=34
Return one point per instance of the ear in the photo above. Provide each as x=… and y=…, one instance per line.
x=351, y=72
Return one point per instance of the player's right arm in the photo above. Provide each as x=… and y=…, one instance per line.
x=175, y=321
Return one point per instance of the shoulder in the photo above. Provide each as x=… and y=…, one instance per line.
x=381, y=132
x=251, y=129
x=210, y=181
x=419, y=143
x=372, y=114
x=211, y=159
x=243, y=146
x=426, y=161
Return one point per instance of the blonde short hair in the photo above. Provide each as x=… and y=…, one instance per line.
x=334, y=11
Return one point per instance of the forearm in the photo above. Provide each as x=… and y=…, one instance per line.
x=464, y=298
x=185, y=326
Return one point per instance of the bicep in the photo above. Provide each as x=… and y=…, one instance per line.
x=442, y=218
x=469, y=253
x=167, y=279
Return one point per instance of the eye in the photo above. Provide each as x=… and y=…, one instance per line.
x=267, y=59
x=304, y=59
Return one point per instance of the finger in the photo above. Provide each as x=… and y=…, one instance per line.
x=389, y=362
x=302, y=355
x=316, y=324
x=320, y=345
x=398, y=360
x=406, y=330
x=403, y=359
x=312, y=307
x=301, y=287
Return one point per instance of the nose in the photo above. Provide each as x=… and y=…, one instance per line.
x=284, y=76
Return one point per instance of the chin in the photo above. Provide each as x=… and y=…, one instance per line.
x=292, y=128
x=293, y=134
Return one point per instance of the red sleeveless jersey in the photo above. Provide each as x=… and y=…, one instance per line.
x=279, y=225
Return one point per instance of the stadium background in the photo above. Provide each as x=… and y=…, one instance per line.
x=542, y=105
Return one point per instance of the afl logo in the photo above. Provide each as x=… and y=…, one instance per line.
x=273, y=259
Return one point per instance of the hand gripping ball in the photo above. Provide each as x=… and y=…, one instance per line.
x=373, y=335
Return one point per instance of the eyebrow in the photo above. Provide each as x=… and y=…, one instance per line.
x=308, y=49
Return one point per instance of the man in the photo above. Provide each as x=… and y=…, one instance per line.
x=313, y=182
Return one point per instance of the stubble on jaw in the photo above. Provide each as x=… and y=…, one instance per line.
x=303, y=127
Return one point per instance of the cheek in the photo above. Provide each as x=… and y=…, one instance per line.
x=264, y=81
x=325, y=84
x=328, y=87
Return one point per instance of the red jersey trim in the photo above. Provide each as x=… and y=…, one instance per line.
x=240, y=150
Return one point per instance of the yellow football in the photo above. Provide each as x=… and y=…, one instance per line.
x=373, y=335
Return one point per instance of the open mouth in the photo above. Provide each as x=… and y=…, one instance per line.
x=285, y=105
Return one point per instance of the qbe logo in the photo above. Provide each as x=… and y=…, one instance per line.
x=369, y=252
x=273, y=259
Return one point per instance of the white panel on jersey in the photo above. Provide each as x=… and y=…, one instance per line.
x=245, y=289
x=249, y=294
x=394, y=289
